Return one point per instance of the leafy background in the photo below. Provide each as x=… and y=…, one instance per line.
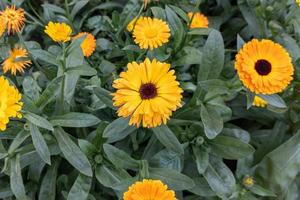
x=77, y=148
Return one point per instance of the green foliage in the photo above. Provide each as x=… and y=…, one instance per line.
x=71, y=144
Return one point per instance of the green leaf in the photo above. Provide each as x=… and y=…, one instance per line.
x=202, y=158
x=118, y=130
x=88, y=148
x=72, y=152
x=256, y=189
x=230, y=147
x=202, y=188
x=109, y=176
x=16, y=181
x=18, y=140
x=200, y=31
x=213, y=56
x=78, y=6
x=119, y=158
x=168, y=139
x=82, y=70
x=48, y=185
x=104, y=96
x=220, y=178
x=39, y=143
x=74, y=119
x=39, y=121
x=80, y=189
x=212, y=122
x=172, y=178
x=45, y=56
x=274, y=100
x=181, y=13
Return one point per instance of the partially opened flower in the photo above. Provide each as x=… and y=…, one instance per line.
x=17, y=61
x=59, y=32
x=10, y=105
x=264, y=67
x=14, y=18
x=151, y=33
x=89, y=43
x=149, y=190
x=259, y=102
x=198, y=20
x=2, y=26
x=148, y=93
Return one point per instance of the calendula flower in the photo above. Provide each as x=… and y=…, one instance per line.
x=14, y=19
x=151, y=33
x=59, y=32
x=131, y=24
x=2, y=26
x=264, y=67
x=149, y=190
x=298, y=2
x=259, y=102
x=10, y=105
x=248, y=181
x=148, y=93
x=17, y=61
x=199, y=20
x=88, y=45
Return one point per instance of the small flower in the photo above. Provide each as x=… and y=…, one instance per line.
x=151, y=33
x=264, y=67
x=17, y=61
x=298, y=2
x=131, y=24
x=59, y=32
x=248, y=181
x=88, y=45
x=259, y=102
x=199, y=20
x=2, y=26
x=14, y=19
x=149, y=190
x=147, y=92
x=10, y=105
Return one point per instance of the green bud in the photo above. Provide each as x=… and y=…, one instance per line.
x=98, y=159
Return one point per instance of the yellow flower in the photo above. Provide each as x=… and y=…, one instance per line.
x=131, y=24
x=147, y=92
x=248, y=181
x=2, y=26
x=88, y=45
x=59, y=32
x=10, y=105
x=298, y=2
x=199, y=20
x=149, y=190
x=17, y=61
x=151, y=33
x=264, y=67
x=14, y=18
x=259, y=102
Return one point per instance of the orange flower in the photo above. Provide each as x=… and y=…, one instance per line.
x=88, y=45
x=14, y=19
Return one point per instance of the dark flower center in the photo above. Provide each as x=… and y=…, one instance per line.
x=263, y=67
x=148, y=91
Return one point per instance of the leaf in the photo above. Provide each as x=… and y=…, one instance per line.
x=202, y=158
x=202, y=188
x=230, y=148
x=39, y=143
x=48, y=185
x=167, y=159
x=78, y=6
x=80, y=189
x=220, y=178
x=118, y=130
x=119, y=158
x=39, y=121
x=172, y=178
x=213, y=56
x=74, y=119
x=274, y=100
x=18, y=140
x=72, y=152
x=256, y=189
x=104, y=96
x=82, y=70
x=168, y=139
x=45, y=56
x=16, y=181
x=109, y=176
x=88, y=148
x=212, y=122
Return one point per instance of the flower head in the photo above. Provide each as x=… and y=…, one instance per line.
x=88, y=45
x=147, y=92
x=151, y=33
x=248, y=181
x=298, y=2
x=14, y=18
x=2, y=26
x=10, y=105
x=17, y=61
x=149, y=190
x=59, y=32
x=259, y=102
x=199, y=20
x=264, y=67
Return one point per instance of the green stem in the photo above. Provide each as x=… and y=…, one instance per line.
x=63, y=69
